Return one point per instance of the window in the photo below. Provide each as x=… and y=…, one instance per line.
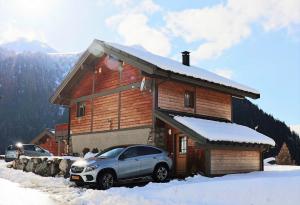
x=38, y=149
x=29, y=147
x=189, y=98
x=111, y=153
x=182, y=145
x=131, y=152
x=147, y=151
x=80, y=109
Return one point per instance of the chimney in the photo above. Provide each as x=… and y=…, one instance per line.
x=186, y=58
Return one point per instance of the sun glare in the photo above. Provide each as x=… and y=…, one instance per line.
x=33, y=7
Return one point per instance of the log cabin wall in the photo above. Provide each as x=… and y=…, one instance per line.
x=171, y=96
x=105, y=114
x=136, y=108
x=81, y=124
x=196, y=158
x=108, y=108
x=226, y=161
x=213, y=103
x=207, y=102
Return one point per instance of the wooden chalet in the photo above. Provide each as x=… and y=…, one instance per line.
x=125, y=95
x=46, y=139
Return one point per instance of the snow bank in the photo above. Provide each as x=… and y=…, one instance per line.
x=12, y=193
x=270, y=160
x=278, y=185
x=89, y=155
x=224, y=131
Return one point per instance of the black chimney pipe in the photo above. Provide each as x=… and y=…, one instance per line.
x=186, y=58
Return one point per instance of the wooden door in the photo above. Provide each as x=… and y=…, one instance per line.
x=181, y=154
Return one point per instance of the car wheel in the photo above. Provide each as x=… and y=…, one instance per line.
x=161, y=173
x=105, y=180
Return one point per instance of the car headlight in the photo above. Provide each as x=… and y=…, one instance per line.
x=91, y=168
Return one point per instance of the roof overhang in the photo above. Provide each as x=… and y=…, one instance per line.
x=41, y=135
x=98, y=48
x=206, y=131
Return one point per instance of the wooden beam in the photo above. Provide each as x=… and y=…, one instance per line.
x=192, y=134
x=193, y=115
x=108, y=92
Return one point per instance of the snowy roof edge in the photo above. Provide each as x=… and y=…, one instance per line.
x=224, y=131
x=180, y=69
x=177, y=67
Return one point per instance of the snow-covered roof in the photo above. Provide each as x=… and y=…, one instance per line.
x=152, y=64
x=177, y=67
x=224, y=131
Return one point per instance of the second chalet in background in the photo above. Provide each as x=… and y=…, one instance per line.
x=126, y=95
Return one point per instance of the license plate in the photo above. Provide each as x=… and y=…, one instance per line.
x=75, y=177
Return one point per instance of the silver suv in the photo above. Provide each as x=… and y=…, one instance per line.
x=12, y=151
x=121, y=163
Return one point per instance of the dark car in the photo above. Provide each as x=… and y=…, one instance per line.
x=31, y=150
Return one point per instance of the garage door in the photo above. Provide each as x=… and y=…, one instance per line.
x=234, y=161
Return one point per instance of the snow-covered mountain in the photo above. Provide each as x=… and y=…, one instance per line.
x=27, y=80
x=295, y=128
x=23, y=45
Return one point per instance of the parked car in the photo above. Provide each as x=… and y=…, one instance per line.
x=31, y=150
x=122, y=163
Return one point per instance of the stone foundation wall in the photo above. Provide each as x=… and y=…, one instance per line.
x=43, y=166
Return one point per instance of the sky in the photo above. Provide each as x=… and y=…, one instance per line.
x=254, y=42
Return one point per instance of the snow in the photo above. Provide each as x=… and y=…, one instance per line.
x=276, y=186
x=268, y=160
x=89, y=155
x=296, y=129
x=177, y=67
x=12, y=193
x=24, y=45
x=224, y=131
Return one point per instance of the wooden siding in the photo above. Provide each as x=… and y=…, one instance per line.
x=136, y=108
x=234, y=161
x=84, y=86
x=106, y=77
x=196, y=158
x=208, y=102
x=130, y=75
x=171, y=96
x=212, y=103
x=133, y=107
x=105, y=113
x=81, y=124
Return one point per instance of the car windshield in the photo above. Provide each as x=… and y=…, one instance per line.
x=11, y=148
x=29, y=147
x=111, y=153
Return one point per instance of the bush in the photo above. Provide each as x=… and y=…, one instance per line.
x=85, y=150
x=95, y=150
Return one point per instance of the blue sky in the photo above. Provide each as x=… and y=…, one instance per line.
x=254, y=42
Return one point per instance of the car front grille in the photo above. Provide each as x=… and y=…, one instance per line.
x=76, y=169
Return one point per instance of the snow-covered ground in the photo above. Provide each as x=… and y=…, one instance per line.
x=12, y=193
x=277, y=185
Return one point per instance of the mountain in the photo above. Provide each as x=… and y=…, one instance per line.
x=27, y=80
x=23, y=45
x=248, y=114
